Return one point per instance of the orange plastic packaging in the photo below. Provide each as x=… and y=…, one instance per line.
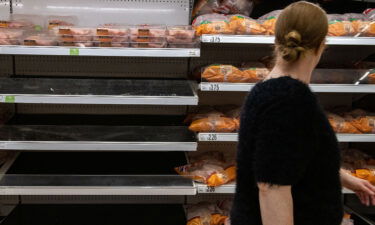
x=340, y=125
x=213, y=124
x=371, y=77
x=365, y=124
x=340, y=28
x=245, y=25
x=365, y=28
x=213, y=27
x=254, y=75
x=269, y=24
x=205, y=214
x=222, y=73
x=366, y=174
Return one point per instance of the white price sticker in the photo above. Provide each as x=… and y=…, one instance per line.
x=192, y=53
x=215, y=39
x=210, y=189
x=214, y=87
x=212, y=137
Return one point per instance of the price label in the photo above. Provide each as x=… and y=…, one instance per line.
x=215, y=39
x=214, y=87
x=210, y=189
x=192, y=53
x=212, y=137
x=74, y=51
x=9, y=99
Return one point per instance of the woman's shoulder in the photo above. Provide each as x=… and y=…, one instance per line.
x=283, y=87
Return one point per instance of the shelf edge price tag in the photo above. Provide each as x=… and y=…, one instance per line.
x=74, y=51
x=212, y=137
x=210, y=189
x=214, y=87
x=215, y=39
x=8, y=99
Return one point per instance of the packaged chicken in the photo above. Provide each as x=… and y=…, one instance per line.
x=58, y=21
x=113, y=44
x=79, y=31
x=365, y=174
x=148, y=30
x=365, y=124
x=180, y=34
x=108, y=30
x=340, y=125
x=254, y=75
x=243, y=7
x=371, y=77
x=340, y=28
x=209, y=170
x=11, y=36
x=213, y=124
x=204, y=214
x=147, y=39
x=268, y=21
x=245, y=25
x=355, y=158
x=212, y=24
x=111, y=39
x=80, y=44
x=148, y=44
x=222, y=73
x=40, y=40
x=365, y=28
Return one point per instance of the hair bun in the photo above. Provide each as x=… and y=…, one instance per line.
x=293, y=39
x=292, y=49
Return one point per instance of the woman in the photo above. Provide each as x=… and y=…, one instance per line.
x=288, y=156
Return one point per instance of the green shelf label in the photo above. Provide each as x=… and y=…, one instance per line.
x=74, y=51
x=10, y=99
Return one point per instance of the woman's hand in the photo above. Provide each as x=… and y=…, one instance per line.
x=364, y=189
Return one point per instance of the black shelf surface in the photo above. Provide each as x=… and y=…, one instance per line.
x=92, y=87
x=131, y=169
x=96, y=215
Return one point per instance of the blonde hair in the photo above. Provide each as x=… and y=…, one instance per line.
x=301, y=26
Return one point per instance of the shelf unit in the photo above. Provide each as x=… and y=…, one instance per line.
x=233, y=137
x=120, y=52
x=73, y=174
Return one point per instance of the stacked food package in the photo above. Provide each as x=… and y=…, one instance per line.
x=209, y=119
x=209, y=213
x=210, y=168
x=350, y=24
x=219, y=213
x=359, y=164
x=355, y=122
x=63, y=31
x=232, y=74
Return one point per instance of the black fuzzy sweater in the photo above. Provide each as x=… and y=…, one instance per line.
x=286, y=139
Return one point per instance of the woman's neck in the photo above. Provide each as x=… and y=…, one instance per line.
x=300, y=70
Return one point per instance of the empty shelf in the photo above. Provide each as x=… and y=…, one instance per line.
x=97, y=138
x=96, y=174
x=96, y=215
x=97, y=91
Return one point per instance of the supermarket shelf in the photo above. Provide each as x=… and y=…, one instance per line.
x=97, y=91
x=231, y=189
x=97, y=138
x=257, y=39
x=95, y=185
x=128, y=52
x=233, y=137
x=320, y=88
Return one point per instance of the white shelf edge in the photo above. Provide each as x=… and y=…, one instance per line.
x=258, y=39
x=231, y=189
x=127, y=52
x=97, y=146
x=233, y=137
x=94, y=190
x=319, y=88
x=98, y=99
